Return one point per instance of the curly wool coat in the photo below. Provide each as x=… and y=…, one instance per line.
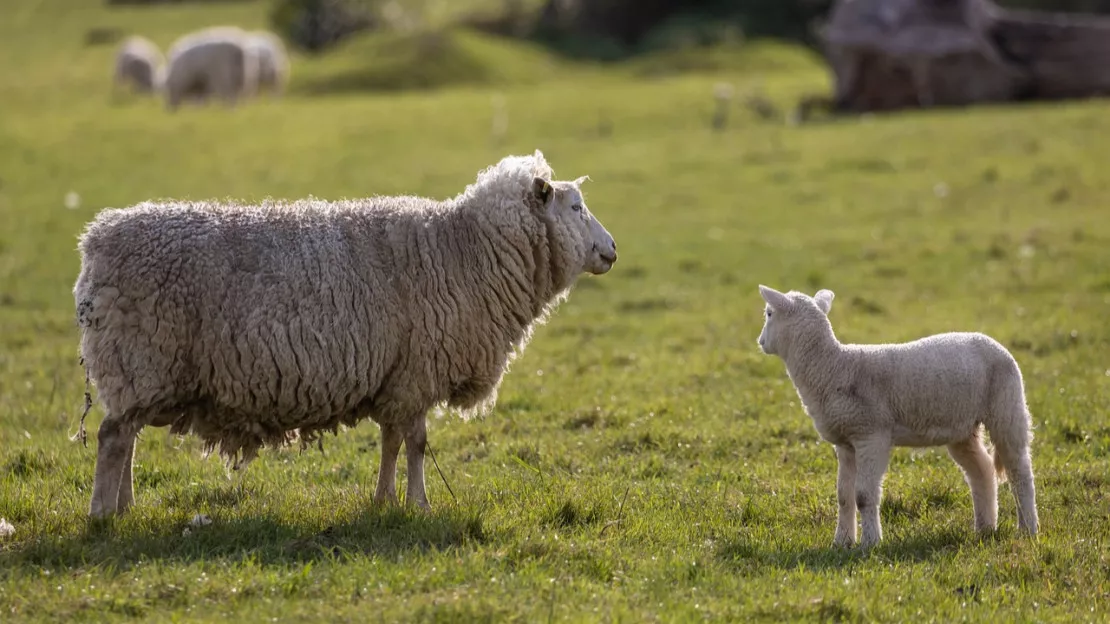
x=248, y=324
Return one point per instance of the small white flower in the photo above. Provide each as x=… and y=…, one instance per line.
x=73, y=200
x=7, y=529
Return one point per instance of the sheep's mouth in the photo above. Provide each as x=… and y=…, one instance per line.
x=603, y=264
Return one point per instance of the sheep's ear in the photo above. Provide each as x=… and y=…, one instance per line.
x=542, y=189
x=824, y=299
x=579, y=181
x=774, y=298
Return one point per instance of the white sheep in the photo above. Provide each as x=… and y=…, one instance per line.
x=139, y=63
x=212, y=62
x=939, y=390
x=250, y=325
x=273, y=61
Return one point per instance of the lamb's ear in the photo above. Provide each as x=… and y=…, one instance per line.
x=542, y=189
x=774, y=298
x=824, y=299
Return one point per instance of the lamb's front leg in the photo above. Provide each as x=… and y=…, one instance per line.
x=872, y=459
x=845, y=496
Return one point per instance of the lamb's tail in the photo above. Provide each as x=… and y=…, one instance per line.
x=999, y=468
x=1009, y=422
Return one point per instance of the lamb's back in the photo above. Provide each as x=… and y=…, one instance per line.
x=944, y=376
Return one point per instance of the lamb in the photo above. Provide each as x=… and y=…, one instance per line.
x=139, y=63
x=934, y=391
x=212, y=62
x=273, y=61
x=252, y=325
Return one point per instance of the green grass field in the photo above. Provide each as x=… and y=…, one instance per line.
x=645, y=461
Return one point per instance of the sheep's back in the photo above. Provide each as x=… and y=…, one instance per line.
x=251, y=312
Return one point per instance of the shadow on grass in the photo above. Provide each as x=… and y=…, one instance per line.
x=745, y=556
x=377, y=531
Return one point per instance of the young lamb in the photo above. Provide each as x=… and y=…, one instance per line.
x=251, y=325
x=212, y=62
x=273, y=61
x=139, y=63
x=939, y=390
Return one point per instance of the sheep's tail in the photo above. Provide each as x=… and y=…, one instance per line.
x=82, y=434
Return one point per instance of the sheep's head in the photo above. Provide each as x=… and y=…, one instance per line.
x=792, y=316
x=582, y=242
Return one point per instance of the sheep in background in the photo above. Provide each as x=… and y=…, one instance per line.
x=938, y=390
x=139, y=63
x=273, y=61
x=251, y=325
x=212, y=62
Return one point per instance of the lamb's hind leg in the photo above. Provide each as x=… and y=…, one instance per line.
x=975, y=461
x=872, y=459
x=416, y=438
x=387, y=470
x=845, y=496
x=115, y=439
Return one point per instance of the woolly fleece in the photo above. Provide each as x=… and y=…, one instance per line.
x=248, y=324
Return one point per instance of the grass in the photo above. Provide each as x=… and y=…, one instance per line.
x=645, y=462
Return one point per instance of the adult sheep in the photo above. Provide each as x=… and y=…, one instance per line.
x=251, y=325
x=139, y=63
x=939, y=390
x=273, y=61
x=212, y=62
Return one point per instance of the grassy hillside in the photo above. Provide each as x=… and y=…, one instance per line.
x=645, y=461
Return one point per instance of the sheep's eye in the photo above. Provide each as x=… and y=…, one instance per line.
x=576, y=207
x=768, y=314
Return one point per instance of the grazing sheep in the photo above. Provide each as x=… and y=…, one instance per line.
x=273, y=61
x=139, y=63
x=935, y=391
x=251, y=325
x=212, y=62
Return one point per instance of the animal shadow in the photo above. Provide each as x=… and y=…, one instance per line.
x=385, y=531
x=745, y=556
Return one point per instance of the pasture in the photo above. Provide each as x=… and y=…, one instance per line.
x=645, y=462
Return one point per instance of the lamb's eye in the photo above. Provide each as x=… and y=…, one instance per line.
x=576, y=207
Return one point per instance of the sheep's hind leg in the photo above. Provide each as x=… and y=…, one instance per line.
x=872, y=459
x=387, y=471
x=845, y=496
x=126, y=485
x=114, y=439
x=416, y=438
x=973, y=459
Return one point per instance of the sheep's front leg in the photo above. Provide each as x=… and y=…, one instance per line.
x=872, y=459
x=387, y=470
x=416, y=438
x=845, y=496
x=114, y=440
x=126, y=483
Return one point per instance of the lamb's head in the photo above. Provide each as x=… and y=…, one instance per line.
x=793, y=318
x=582, y=242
